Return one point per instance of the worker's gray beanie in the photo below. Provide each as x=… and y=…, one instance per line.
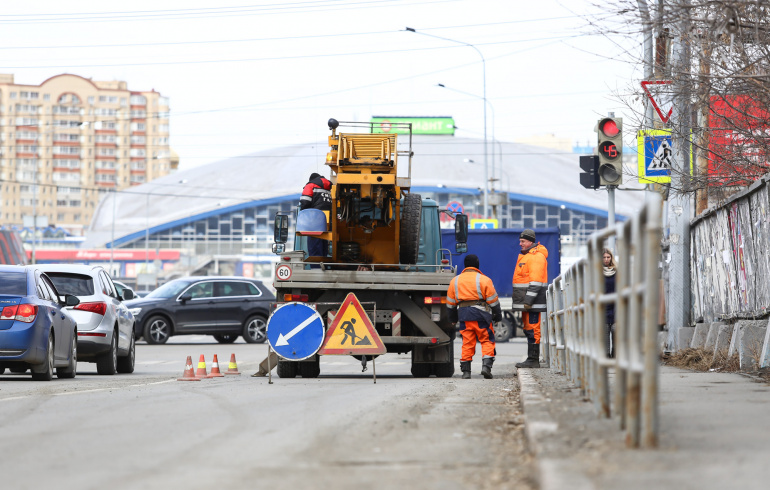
x=528, y=235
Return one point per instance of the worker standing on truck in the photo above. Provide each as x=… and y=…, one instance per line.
x=316, y=195
x=472, y=300
x=530, y=282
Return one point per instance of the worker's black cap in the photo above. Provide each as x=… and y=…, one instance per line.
x=528, y=235
x=314, y=176
x=472, y=261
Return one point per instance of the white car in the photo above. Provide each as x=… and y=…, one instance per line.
x=105, y=326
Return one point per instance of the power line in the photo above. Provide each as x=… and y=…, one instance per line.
x=273, y=39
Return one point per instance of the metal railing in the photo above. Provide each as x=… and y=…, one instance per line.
x=576, y=325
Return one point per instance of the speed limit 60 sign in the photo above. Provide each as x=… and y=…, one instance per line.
x=283, y=272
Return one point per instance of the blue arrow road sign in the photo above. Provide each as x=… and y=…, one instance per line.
x=295, y=331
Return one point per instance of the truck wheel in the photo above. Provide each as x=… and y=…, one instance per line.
x=446, y=369
x=287, y=369
x=409, y=242
x=503, y=334
x=310, y=369
x=421, y=370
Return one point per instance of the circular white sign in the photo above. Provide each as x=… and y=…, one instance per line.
x=283, y=272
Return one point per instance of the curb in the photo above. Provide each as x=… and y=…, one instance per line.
x=554, y=473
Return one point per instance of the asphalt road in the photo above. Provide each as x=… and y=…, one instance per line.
x=147, y=430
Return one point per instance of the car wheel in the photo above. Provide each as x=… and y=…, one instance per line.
x=44, y=370
x=226, y=338
x=157, y=330
x=107, y=363
x=72, y=368
x=126, y=363
x=255, y=330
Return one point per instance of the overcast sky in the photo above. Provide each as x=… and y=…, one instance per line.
x=245, y=76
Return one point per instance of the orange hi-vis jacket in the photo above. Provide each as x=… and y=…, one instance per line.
x=471, y=297
x=530, y=279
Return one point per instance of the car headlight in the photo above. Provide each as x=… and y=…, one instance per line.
x=134, y=311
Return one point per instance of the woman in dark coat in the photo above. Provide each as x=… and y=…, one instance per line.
x=609, y=287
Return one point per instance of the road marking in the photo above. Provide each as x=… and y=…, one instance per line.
x=13, y=398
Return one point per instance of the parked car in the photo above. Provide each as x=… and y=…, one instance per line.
x=105, y=326
x=121, y=286
x=36, y=332
x=224, y=307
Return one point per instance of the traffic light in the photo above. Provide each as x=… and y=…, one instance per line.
x=610, y=150
x=589, y=178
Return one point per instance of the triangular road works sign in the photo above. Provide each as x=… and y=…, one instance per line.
x=352, y=332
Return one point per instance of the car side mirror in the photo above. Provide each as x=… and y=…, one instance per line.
x=70, y=300
x=185, y=297
x=281, y=228
x=461, y=248
x=127, y=294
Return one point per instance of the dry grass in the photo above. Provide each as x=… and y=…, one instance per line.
x=703, y=360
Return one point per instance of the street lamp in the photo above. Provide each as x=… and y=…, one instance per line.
x=484, y=73
x=494, y=140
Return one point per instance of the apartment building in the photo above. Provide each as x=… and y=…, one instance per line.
x=66, y=142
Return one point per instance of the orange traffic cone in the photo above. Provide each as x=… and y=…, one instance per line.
x=188, y=372
x=215, y=369
x=233, y=367
x=201, y=372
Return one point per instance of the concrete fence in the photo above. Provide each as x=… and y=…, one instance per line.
x=576, y=325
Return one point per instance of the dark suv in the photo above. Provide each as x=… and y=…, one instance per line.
x=224, y=307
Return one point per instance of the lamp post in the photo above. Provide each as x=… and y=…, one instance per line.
x=484, y=78
x=492, y=108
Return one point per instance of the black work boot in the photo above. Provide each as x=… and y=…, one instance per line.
x=486, y=367
x=465, y=367
x=533, y=357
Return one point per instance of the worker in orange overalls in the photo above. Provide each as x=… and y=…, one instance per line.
x=472, y=300
x=530, y=282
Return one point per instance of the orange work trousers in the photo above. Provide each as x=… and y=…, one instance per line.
x=531, y=326
x=471, y=333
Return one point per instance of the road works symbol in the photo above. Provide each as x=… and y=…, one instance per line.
x=295, y=331
x=352, y=332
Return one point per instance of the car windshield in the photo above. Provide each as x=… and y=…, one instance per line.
x=75, y=284
x=168, y=290
x=14, y=283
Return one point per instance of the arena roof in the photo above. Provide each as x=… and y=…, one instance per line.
x=439, y=164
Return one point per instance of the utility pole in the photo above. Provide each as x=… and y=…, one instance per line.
x=678, y=308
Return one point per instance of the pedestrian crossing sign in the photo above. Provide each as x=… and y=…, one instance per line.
x=352, y=332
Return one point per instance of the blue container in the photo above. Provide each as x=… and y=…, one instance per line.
x=313, y=220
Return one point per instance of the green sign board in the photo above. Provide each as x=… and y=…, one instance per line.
x=420, y=125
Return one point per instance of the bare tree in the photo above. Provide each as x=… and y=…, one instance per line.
x=727, y=83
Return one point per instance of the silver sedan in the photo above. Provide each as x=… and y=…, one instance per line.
x=105, y=326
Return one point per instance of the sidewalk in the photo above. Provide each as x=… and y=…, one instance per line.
x=714, y=434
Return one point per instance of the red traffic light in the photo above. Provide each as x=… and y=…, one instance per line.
x=609, y=127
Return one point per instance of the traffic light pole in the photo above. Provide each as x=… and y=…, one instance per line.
x=611, y=215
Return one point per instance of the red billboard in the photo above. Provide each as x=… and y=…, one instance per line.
x=739, y=139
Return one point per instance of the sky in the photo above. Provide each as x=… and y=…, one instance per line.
x=248, y=75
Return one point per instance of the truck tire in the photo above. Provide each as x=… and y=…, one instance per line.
x=446, y=369
x=287, y=369
x=310, y=369
x=409, y=242
x=421, y=369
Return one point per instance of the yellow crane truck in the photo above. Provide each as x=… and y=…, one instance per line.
x=384, y=245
